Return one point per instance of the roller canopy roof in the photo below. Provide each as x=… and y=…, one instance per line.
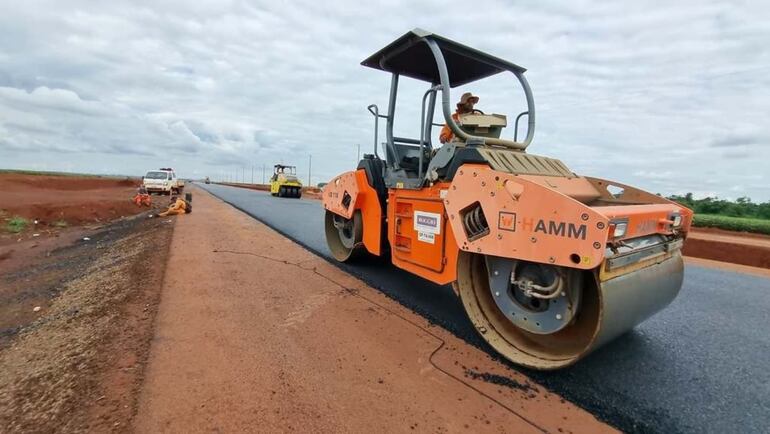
x=409, y=55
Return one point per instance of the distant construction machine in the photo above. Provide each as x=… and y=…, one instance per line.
x=284, y=182
x=549, y=265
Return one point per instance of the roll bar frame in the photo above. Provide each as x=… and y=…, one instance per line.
x=444, y=86
x=446, y=107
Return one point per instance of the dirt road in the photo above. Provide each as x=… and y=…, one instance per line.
x=254, y=333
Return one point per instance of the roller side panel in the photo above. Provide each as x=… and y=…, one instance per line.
x=525, y=220
x=421, y=239
x=350, y=192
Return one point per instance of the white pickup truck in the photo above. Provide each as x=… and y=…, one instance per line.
x=163, y=180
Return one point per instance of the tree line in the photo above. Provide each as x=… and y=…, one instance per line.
x=741, y=207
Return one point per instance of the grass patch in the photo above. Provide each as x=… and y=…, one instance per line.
x=60, y=224
x=16, y=224
x=740, y=224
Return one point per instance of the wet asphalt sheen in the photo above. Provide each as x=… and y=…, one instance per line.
x=700, y=365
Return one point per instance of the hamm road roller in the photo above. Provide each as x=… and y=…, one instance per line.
x=284, y=182
x=549, y=264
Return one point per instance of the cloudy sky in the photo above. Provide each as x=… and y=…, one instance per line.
x=669, y=96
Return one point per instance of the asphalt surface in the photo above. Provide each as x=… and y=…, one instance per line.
x=700, y=365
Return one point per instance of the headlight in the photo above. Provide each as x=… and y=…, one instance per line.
x=620, y=230
x=677, y=220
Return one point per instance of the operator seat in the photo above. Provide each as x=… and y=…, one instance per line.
x=373, y=167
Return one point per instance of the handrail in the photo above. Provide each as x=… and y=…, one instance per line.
x=516, y=128
x=376, y=113
x=422, y=127
x=407, y=140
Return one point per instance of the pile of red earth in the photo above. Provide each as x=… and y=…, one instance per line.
x=65, y=200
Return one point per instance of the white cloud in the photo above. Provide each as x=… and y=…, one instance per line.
x=671, y=97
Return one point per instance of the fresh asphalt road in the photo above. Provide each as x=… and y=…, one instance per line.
x=700, y=365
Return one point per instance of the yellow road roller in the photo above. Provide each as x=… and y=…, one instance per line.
x=284, y=182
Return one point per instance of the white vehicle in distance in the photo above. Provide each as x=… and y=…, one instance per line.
x=163, y=180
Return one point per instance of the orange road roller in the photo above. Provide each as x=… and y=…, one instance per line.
x=549, y=265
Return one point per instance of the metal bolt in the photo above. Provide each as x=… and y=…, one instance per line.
x=454, y=187
x=563, y=294
x=551, y=259
x=478, y=249
x=533, y=239
x=497, y=294
x=475, y=174
x=499, y=236
x=496, y=272
x=491, y=193
x=558, y=316
x=483, y=329
x=597, y=245
x=483, y=184
x=461, y=172
x=600, y=225
x=584, y=216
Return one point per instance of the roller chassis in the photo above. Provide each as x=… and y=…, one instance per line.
x=534, y=251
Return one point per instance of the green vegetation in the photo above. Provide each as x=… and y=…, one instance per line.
x=742, y=207
x=741, y=215
x=16, y=224
x=741, y=224
x=60, y=224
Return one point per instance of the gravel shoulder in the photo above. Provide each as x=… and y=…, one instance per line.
x=255, y=333
x=76, y=326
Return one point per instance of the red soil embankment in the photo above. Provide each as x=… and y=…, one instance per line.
x=69, y=200
x=726, y=246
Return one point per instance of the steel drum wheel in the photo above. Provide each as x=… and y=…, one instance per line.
x=606, y=310
x=539, y=351
x=344, y=236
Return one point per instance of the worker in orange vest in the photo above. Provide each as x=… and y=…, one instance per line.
x=178, y=206
x=142, y=197
x=465, y=106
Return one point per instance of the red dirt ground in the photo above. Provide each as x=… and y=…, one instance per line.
x=739, y=237
x=726, y=246
x=75, y=200
x=75, y=326
x=62, y=201
x=256, y=334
